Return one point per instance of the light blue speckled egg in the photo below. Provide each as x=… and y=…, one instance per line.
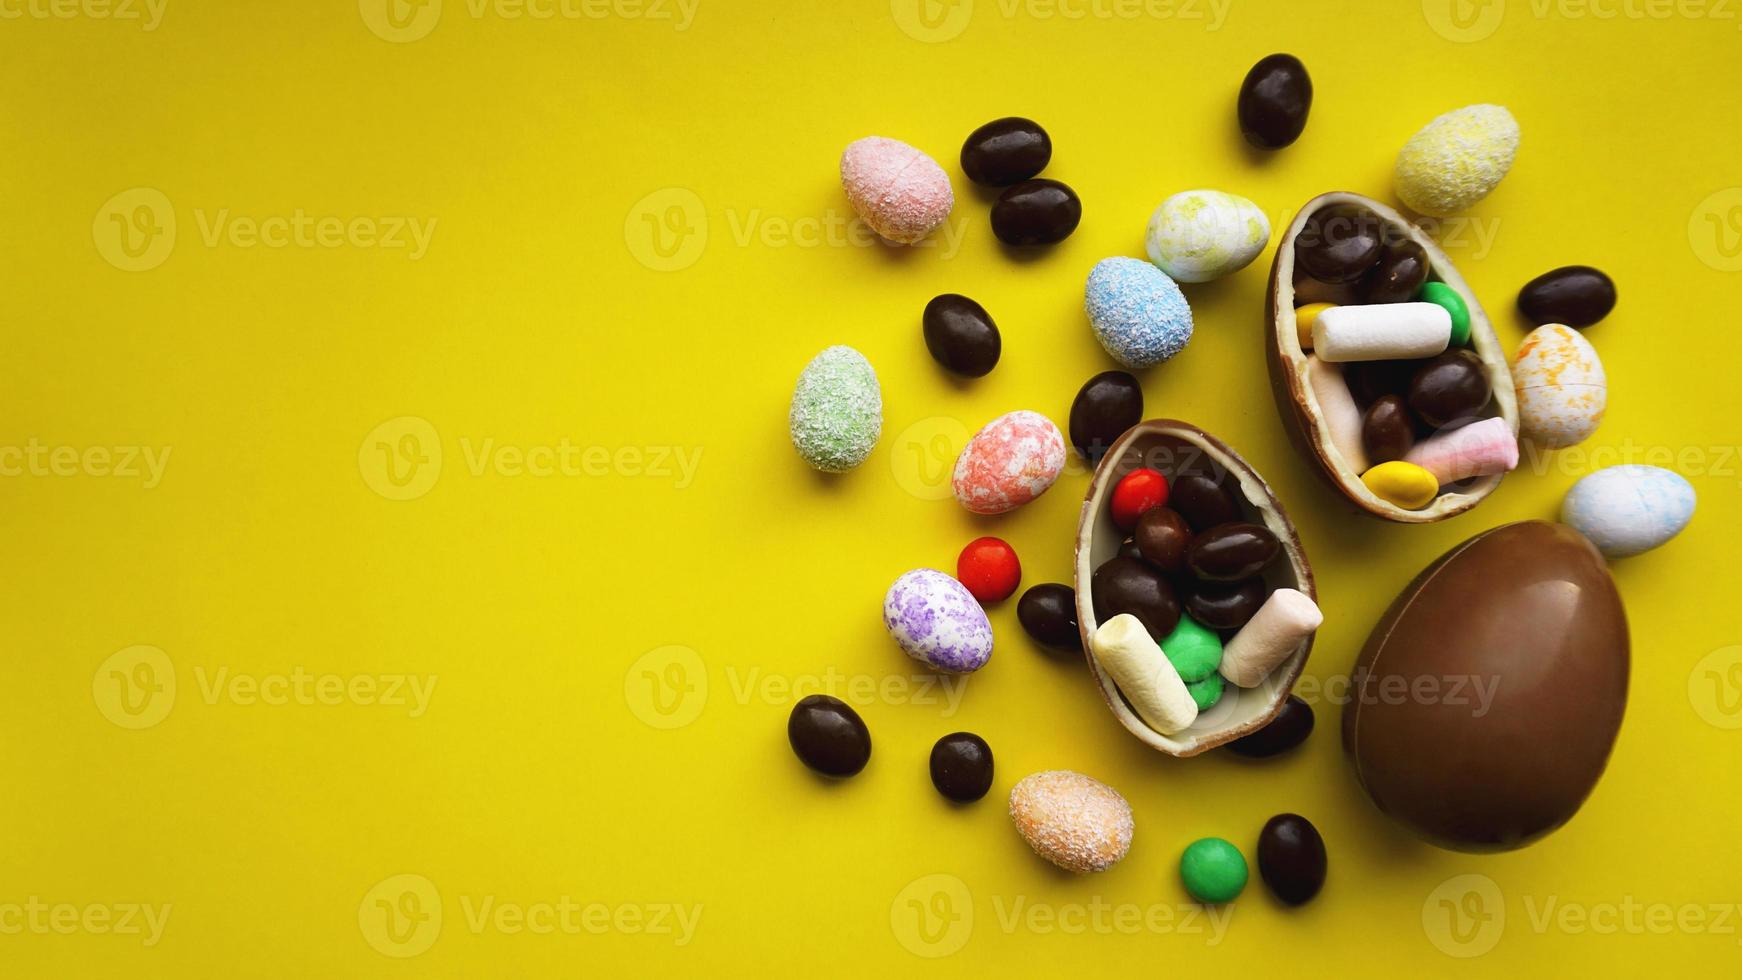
x=1138, y=313
x=1626, y=510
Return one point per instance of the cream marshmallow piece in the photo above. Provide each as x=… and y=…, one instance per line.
x=1267, y=639
x=1382, y=332
x=1337, y=409
x=1479, y=449
x=1127, y=652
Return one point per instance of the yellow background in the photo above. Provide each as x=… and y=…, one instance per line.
x=546, y=151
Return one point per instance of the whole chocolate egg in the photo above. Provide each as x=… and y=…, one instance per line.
x=1488, y=698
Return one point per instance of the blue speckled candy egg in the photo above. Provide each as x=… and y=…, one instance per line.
x=1626, y=510
x=1138, y=313
x=837, y=410
x=935, y=619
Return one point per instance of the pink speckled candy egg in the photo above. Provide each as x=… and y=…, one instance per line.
x=899, y=191
x=1011, y=461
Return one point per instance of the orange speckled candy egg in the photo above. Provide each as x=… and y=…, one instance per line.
x=1011, y=461
x=1077, y=823
x=1562, y=390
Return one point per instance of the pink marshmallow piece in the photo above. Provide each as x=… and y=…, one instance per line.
x=1479, y=449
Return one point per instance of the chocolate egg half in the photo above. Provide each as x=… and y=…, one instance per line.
x=1299, y=406
x=1176, y=448
x=1488, y=698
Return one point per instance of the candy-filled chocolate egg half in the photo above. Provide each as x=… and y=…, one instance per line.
x=1195, y=635
x=1387, y=374
x=1512, y=655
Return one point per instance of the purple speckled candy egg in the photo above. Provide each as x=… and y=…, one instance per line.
x=1011, y=461
x=935, y=619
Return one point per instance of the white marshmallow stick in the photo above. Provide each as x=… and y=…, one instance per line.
x=1382, y=332
x=1267, y=639
x=1127, y=652
x=1337, y=408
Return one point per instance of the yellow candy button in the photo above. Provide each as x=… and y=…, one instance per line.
x=1404, y=484
x=1303, y=321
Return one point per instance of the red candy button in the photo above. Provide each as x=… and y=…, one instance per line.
x=1137, y=492
x=988, y=567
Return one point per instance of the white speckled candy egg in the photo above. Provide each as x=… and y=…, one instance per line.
x=1627, y=510
x=837, y=410
x=1457, y=159
x=1078, y=823
x=1196, y=236
x=936, y=620
x=899, y=191
x=1011, y=461
x=1562, y=390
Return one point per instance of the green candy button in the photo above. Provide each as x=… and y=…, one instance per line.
x=1206, y=692
x=1194, y=651
x=1213, y=870
x=1440, y=294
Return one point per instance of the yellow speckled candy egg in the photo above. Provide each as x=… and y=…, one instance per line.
x=1197, y=236
x=1454, y=161
x=1562, y=390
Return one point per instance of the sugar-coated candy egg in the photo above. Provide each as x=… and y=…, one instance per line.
x=1078, y=823
x=1196, y=236
x=1628, y=510
x=934, y=619
x=899, y=191
x=1139, y=314
x=1011, y=461
x=1562, y=390
x=837, y=410
x=1457, y=159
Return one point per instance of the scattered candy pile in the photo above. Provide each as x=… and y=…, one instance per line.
x=1401, y=388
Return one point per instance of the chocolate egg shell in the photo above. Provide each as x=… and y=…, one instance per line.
x=1298, y=406
x=1528, y=614
x=1172, y=446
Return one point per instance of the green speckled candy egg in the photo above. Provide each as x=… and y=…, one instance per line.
x=837, y=410
x=1196, y=236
